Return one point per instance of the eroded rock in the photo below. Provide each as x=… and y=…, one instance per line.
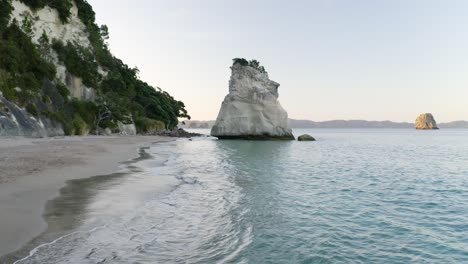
x=425, y=121
x=306, y=137
x=251, y=110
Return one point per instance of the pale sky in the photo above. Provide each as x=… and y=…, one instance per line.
x=374, y=60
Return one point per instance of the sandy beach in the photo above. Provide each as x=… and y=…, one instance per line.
x=32, y=171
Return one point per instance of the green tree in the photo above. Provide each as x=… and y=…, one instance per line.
x=45, y=47
x=5, y=13
x=240, y=61
x=62, y=6
x=252, y=63
x=27, y=26
x=104, y=32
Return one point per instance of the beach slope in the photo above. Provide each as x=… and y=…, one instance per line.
x=32, y=171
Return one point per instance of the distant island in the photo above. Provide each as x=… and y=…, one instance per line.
x=296, y=123
x=425, y=121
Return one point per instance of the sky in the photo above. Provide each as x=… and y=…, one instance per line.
x=373, y=60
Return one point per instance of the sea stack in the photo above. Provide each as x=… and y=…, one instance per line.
x=251, y=110
x=425, y=121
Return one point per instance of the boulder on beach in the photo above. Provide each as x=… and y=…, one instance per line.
x=251, y=110
x=306, y=137
x=127, y=129
x=425, y=121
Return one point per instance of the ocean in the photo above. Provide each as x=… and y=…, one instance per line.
x=353, y=196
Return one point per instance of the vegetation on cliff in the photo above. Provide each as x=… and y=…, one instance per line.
x=27, y=76
x=252, y=63
x=62, y=6
x=22, y=66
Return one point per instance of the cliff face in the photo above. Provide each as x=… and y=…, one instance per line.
x=57, y=75
x=18, y=121
x=47, y=20
x=425, y=121
x=251, y=110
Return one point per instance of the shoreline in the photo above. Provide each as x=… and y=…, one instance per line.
x=33, y=171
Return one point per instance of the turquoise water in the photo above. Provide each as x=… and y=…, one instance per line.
x=354, y=196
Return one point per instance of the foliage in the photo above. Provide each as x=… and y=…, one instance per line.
x=104, y=32
x=32, y=109
x=86, y=110
x=80, y=126
x=21, y=64
x=69, y=129
x=63, y=90
x=62, y=6
x=45, y=47
x=5, y=13
x=79, y=61
x=147, y=125
x=103, y=116
x=85, y=12
x=27, y=26
x=122, y=90
x=122, y=95
x=7, y=85
x=240, y=61
x=59, y=116
x=78, y=119
x=252, y=63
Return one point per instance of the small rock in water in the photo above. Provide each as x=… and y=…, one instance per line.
x=176, y=132
x=306, y=137
x=425, y=121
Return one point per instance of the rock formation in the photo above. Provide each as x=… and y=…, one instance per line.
x=16, y=121
x=425, y=121
x=306, y=137
x=127, y=129
x=55, y=78
x=251, y=110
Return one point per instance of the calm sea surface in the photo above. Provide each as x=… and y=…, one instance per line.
x=354, y=196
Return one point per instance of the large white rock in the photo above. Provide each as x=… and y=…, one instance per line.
x=251, y=110
x=425, y=121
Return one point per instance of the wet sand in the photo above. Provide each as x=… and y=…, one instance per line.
x=32, y=171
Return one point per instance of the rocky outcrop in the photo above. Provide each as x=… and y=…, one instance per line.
x=78, y=89
x=176, y=132
x=16, y=121
x=127, y=129
x=306, y=137
x=425, y=121
x=251, y=110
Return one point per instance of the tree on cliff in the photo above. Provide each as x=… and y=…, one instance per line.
x=252, y=63
x=240, y=61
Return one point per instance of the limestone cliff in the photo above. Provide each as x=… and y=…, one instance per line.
x=16, y=121
x=58, y=76
x=251, y=110
x=47, y=21
x=425, y=121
